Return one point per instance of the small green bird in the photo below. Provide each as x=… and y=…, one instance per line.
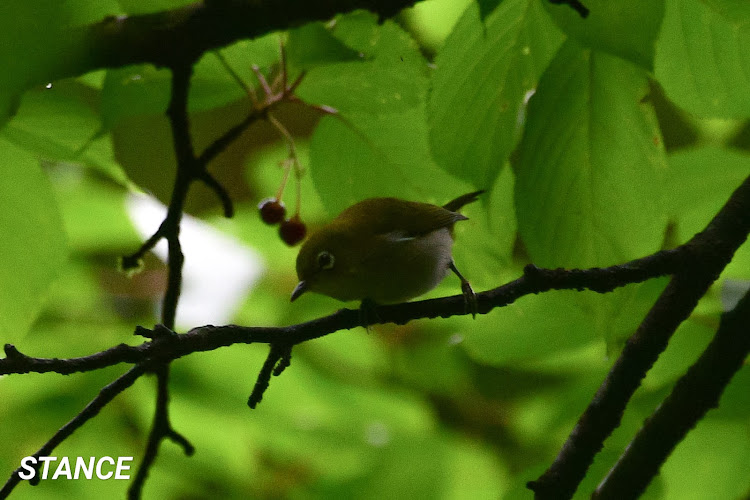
x=383, y=250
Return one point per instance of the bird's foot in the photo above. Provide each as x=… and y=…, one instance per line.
x=470, y=299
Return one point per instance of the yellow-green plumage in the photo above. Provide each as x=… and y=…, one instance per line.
x=382, y=249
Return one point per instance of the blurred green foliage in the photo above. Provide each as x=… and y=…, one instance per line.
x=596, y=170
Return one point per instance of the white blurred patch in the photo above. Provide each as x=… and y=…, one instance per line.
x=377, y=435
x=218, y=271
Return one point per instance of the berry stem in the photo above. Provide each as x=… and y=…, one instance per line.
x=293, y=156
x=287, y=166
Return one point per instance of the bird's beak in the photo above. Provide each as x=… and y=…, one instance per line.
x=299, y=290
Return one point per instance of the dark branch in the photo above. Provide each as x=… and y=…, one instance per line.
x=275, y=355
x=133, y=261
x=228, y=137
x=226, y=202
x=164, y=347
x=706, y=255
x=160, y=430
x=188, y=32
x=694, y=394
x=184, y=34
x=186, y=173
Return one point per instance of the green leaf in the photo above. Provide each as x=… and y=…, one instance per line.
x=377, y=146
x=487, y=7
x=625, y=29
x=703, y=55
x=431, y=22
x=132, y=91
x=591, y=164
x=53, y=123
x=618, y=314
x=33, y=248
x=148, y=6
x=484, y=244
x=60, y=124
x=83, y=12
x=31, y=34
x=700, y=182
x=475, y=109
x=372, y=156
x=392, y=79
x=314, y=45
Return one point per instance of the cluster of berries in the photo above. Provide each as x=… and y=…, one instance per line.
x=273, y=212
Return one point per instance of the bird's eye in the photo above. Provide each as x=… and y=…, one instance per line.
x=325, y=260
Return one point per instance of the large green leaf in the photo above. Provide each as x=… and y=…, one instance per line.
x=31, y=34
x=591, y=164
x=59, y=123
x=483, y=72
x=313, y=44
x=626, y=29
x=700, y=183
x=371, y=156
x=33, y=243
x=703, y=56
x=392, y=76
x=378, y=144
x=53, y=123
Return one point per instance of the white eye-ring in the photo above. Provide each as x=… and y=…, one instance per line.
x=325, y=260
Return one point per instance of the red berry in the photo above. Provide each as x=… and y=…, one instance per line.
x=292, y=231
x=272, y=211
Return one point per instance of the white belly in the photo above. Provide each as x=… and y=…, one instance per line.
x=405, y=268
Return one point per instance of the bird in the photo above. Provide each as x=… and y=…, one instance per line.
x=383, y=251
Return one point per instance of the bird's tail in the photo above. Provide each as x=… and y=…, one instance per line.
x=455, y=205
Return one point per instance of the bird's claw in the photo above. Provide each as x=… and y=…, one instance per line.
x=470, y=299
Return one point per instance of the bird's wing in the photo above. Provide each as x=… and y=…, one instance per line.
x=407, y=219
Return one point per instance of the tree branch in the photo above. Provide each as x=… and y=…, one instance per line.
x=707, y=254
x=166, y=347
x=186, y=33
x=694, y=394
x=187, y=172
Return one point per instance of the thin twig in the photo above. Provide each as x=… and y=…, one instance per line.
x=107, y=394
x=236, y=77
x=261, y=384
x=160, y=430
x=262, y=80
x=226, y=202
